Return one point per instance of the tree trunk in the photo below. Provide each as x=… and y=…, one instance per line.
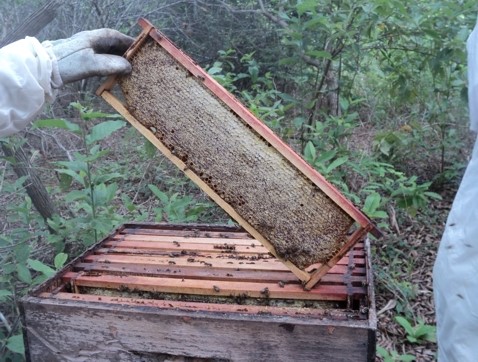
x=33, y=185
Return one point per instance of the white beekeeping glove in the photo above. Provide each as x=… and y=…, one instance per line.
x=89, y=53
x=31, y=72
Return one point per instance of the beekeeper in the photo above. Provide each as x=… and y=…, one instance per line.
x=31, y=72
x=455, y=275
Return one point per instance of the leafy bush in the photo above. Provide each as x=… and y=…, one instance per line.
x=418, y=333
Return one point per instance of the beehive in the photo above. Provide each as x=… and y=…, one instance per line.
x=152, y=292
x=235, y=158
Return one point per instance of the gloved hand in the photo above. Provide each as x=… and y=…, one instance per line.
x=91, y=53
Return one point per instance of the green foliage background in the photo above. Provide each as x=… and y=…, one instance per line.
x=371, y=93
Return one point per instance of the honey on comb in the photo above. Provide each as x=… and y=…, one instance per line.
x=302, y=223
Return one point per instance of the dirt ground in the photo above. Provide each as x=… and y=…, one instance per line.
x=403, y=265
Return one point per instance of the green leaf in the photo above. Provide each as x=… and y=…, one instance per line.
x=378, y=214
x=159, y=194
x=77, y=165
x=4, y=294
x=319, y=54
x=15, y=344
x=406, y=325
x=406, y=358
x=382, y=352
x=314, y=22
x=65, y=180
x=385, y=148
x=38, y=266
x=433, y=195
x=72, y=174
x=22, y=252
x=57, y=123
x=325, y=156
x=103, y=194
x=103, y=130
x=336, y=163
x=8, y=269
x=76, y=195
x=371, y=203
x=60, y=260
x=214, y=70
x=95, y=115
x=128, y=203
x=24, y=274
x=95, y=156
x=305, y=6
x=310, y=153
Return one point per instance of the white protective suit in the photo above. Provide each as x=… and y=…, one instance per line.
x=31, y=71
x=455, y=274
x=27, y=70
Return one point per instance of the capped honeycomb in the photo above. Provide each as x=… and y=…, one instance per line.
x=302, y=223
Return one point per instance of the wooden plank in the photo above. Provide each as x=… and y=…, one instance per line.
x=191, y=272
x=208, y=307
x=212, y=287
x=167, y=253
x=187, y=233
x=272, y=264
x=195, y=240
x=184, y=253
x=195, y=272
x=60, y=330
x=337, y=269
x=268, y=264
x=189, y=246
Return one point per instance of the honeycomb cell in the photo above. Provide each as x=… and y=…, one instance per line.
x=302, y=223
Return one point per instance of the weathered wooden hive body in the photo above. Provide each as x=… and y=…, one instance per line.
x=239, y=162
x=208, y=293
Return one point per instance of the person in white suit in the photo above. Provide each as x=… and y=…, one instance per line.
x=455, y=274
x=31, y=72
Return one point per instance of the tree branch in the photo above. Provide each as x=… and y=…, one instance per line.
x=34, y=23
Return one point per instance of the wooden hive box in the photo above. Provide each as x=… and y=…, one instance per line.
x=152, y=292
x=236, y=159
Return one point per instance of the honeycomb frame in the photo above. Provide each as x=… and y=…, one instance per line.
x=236, y=159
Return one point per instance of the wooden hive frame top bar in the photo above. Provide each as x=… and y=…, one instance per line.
x=216, y=264
x=313, y=218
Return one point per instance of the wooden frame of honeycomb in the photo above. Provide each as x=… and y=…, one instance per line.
x=235, y=158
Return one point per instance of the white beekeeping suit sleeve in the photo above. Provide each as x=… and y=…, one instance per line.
x=26, y=69
x=455, y=274
x=30, y=71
